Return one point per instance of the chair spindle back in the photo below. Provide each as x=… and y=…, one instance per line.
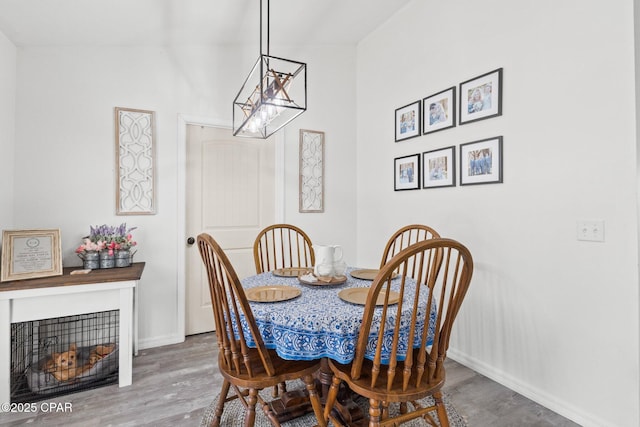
x=230, y=309
x=280, y=246
x=405, y=237
x=442, y=268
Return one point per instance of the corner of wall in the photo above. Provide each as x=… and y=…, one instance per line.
x=8, y=77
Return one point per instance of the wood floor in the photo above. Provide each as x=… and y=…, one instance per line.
x=173, y=385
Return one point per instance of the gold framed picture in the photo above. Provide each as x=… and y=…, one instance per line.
x=27, y=254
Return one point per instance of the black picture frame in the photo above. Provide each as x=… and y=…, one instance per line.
x=439, y=168
x=481, y=161
x=406, y=172
x=408, y=121
x=481, y=97
x=439, y=111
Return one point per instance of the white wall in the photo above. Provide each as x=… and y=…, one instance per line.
x=549, y=316
x=7, y=128
x=65, y=147
x=553, y=318
x=331, y=109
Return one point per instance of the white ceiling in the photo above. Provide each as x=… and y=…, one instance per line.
x=167, y=22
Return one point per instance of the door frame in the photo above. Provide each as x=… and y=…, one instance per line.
x=181, y=179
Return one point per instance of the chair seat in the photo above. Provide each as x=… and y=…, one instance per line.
x=362, y=385
x=286, y=370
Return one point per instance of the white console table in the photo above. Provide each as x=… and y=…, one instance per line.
x=67, y=295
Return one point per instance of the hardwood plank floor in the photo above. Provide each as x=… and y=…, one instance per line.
x=173, y=385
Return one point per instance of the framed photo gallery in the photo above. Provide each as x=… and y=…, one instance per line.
x=477, y=162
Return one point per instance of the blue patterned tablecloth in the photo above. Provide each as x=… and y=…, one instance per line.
x=319, y=324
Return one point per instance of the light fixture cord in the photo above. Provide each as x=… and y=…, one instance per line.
x=260, y=27
x=268, y=25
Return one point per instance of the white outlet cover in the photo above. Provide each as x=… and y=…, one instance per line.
x=590, y=230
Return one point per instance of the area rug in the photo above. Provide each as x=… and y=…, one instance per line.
x=233, y=415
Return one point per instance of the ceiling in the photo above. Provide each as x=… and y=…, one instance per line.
x=174, y=22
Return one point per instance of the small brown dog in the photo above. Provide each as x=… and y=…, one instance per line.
x=99, y=352
x=63, y=366
x=68, y=365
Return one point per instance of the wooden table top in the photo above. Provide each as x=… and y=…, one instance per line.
x=134, y=272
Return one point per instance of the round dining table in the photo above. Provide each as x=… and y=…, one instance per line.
x=318, y=323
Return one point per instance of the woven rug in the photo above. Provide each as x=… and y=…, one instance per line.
x=233, y=415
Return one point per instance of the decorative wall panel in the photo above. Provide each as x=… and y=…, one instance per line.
x=311, y=171
x=135, y=156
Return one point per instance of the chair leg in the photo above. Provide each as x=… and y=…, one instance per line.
x=442, y=411
x=374, y=413
x=269, y=412
x=331, y=397
x=250, y=415
x=279, y=389
x=403, y=407
x=315, y=400
x=220, y=406
x=384, y=414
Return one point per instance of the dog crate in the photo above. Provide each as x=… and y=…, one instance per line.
x=53, y=357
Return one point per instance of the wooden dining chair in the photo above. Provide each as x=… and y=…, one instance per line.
x=280, y=246
x=405, y=237
x=241, y=366
x=407, y=376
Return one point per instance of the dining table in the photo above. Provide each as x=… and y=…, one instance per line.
x=303, y=318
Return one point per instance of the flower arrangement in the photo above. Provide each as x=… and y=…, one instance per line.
x=109, y=238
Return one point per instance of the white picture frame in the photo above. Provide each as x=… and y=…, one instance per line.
x=27, y=254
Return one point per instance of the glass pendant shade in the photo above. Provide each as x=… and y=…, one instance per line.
x=274, y=93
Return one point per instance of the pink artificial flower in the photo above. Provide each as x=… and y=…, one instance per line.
x=111, y=246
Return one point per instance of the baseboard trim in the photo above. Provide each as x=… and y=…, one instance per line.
x=160, y=341
x=539, y=396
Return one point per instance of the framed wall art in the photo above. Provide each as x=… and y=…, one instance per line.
x=406, y=173
x=481, y=161
x=439, y=111
x=439, y=168
x=135, y=157
x=311, y=171
x=27, y=254
x=408, y=121
x=481, y=97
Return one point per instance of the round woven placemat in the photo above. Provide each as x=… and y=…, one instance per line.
x=233, y=415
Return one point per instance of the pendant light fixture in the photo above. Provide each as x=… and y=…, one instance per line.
x=274, y=93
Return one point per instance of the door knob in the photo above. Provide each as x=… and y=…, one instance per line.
x=191, y=241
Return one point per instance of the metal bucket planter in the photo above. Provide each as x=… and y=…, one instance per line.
x=90, y=260
x=123, y=258
x=106, y=260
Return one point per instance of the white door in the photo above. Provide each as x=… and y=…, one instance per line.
x=231, y=196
